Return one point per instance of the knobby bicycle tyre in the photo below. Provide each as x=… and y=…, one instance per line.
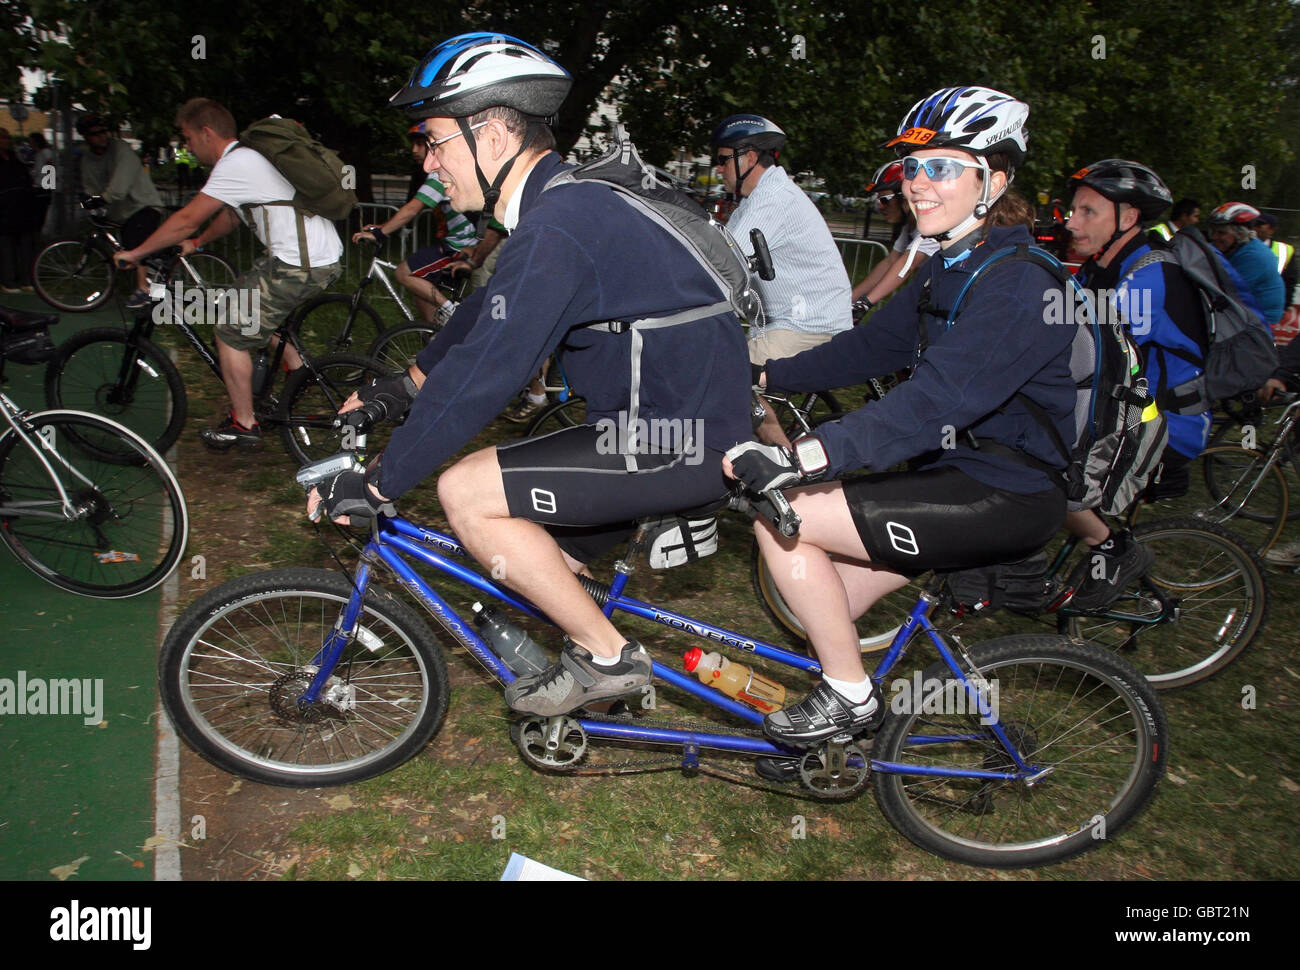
x=1222, y=602
x=71, y=276
x=86, y=374
x=1083, y=715
x=322, y=321
x=131, y=524
x=235, y=663
x=310, y=402
x=397, y=347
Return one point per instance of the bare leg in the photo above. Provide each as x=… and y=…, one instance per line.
x=1088, y=525
x=825, y=594
x=427, y=296
x=473, y=496
x=237, y=375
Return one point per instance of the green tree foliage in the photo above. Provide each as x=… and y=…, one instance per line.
x=1196, y=89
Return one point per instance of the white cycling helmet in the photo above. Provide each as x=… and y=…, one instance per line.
x=976, y=120
x=470, y=72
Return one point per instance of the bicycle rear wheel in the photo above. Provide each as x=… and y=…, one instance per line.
x=397, y=347
x=71, y=276
x=125, y=378
x=1218, y=588
x=311, y=400
x=234, y=665
x=129, y=524
x=1084, y=720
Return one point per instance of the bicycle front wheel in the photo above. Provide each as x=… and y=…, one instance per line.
x=234, y=665
x=71, y=276
x=397, y=347
x=207, y=271
x=126, y=378
x=125, y=526
x=311, y=401
x=328, y=324
x=1090, y=729
x=1216, y=596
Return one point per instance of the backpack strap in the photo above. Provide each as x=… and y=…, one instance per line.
x=1189, y=397
x=248, y=207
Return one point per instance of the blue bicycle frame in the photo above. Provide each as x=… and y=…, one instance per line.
x=397, y=537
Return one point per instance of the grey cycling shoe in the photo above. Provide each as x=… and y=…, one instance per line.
x=577, y=681
x=822, y=715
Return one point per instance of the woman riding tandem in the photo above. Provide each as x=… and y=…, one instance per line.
x=983, y=486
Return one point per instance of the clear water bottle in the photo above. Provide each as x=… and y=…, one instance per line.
x=511, y=644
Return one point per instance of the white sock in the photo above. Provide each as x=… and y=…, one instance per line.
x=537, y=398
x=855, y=692
x=600, y=661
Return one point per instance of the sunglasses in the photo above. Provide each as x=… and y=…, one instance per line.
x=723, y=159
x=432, y=143
x=938, y=169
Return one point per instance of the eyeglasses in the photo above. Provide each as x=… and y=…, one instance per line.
x=723, y=159
x=883, y=200
x=939, y=169
x=432, y=143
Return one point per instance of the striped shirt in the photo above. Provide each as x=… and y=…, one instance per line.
x=811, y=292
x=460, y=231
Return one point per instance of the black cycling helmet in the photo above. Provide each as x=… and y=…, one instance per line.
x=744, y=133
x=468, y=73
x=1124, y=181
x=91, y=123
x=472, y=72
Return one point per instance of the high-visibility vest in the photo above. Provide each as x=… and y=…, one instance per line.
x=1283, y=252
x=1165, y=230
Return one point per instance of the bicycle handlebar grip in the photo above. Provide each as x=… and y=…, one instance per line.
x=761, y=261
x=94, y=202
x=364, y=418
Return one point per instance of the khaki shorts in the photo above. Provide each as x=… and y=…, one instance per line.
x=273, y=289
x=479, y=278
x=773, y=344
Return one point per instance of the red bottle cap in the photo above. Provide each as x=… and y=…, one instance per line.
x=691, y=658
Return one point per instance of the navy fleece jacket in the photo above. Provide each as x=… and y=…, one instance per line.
x=579, y=255
x=1003, y=341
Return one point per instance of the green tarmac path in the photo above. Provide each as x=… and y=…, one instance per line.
x=74, y=793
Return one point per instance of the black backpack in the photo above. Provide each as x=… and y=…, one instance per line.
x=1240, y=355
x=1119, y=431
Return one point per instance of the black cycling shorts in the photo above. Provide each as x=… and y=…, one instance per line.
x=431, y=262
x=941, y=518
x=575, y=484
x=140, y=227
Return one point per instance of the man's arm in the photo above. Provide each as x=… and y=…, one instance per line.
x=396, y=221
x=180, y=225
x=482, y=249
x=225, y=222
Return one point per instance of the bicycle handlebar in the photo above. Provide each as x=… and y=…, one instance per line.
x=771, y=504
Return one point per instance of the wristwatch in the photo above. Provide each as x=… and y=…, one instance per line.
x=810, y=455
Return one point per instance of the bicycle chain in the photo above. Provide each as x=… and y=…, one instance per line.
x=674, y=760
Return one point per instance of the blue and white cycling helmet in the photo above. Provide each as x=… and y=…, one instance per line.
x=976, y=120
x=470, y=72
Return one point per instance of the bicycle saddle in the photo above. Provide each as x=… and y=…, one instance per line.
x=22, y=320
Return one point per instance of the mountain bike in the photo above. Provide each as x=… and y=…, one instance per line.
x=123, y=374
x=1196, y=611
x=306, y=678
x=84, y=503
x=78, y=275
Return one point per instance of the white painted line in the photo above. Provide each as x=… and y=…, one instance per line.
x=167, y=788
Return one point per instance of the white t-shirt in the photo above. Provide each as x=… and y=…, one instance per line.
x=241, y=177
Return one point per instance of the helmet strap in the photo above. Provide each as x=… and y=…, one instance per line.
x=491, y=190
x=740, y=177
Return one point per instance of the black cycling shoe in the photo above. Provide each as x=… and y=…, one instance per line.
x=783, y=771
x=822, y=715
x=230, y=433
x=1097, y=592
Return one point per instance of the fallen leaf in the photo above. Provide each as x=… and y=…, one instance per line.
x=340, y=802
x=63, y=872
x=156, y=841
x=1175, y=778
x=480, y=797
x=354, y=870
x=101, y=725
x=235, y=787
x=137, y=864
x=1288, y=784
